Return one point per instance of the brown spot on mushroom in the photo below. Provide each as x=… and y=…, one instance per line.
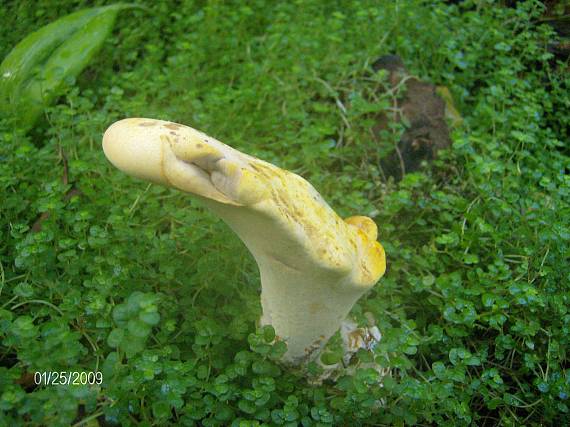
x=314, y=308
x=172, y=126
x=172, y=133
x=147, y=124
x=199, y=145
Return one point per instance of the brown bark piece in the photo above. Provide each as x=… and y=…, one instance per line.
x=425, y=112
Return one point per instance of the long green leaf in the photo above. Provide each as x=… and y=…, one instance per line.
x=34, y=72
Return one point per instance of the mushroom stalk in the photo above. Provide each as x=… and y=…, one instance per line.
x=314, y=266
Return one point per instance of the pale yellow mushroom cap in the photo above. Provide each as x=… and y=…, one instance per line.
x=373, y=265
x=170, y=154
x=294, y=213
x=132, y=148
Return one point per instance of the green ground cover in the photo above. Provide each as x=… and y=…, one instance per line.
x=141, y=283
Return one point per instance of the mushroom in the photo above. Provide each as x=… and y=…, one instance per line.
x=314, y=266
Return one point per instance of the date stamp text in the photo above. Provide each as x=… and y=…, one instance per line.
x=68, y=378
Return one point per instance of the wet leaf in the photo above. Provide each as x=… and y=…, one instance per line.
x=35, y=72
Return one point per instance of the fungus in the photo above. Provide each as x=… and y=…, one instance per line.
x=314, y=266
